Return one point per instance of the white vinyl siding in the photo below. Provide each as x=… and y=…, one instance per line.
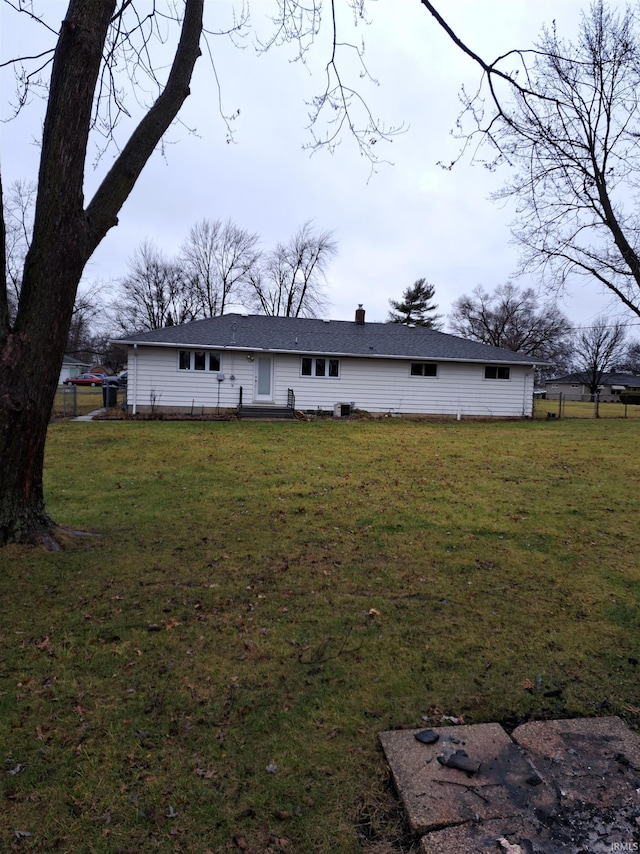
x=156, y=379
x=375, y=385
x=386, y=385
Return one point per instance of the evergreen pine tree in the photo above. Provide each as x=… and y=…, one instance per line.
x=416, y=306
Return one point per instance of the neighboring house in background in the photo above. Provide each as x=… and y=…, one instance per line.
x=71, y=368
x=574, y=387
x=330, y=365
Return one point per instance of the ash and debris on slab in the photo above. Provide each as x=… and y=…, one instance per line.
x=551, y=787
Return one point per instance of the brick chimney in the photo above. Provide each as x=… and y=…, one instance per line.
x=360, y=315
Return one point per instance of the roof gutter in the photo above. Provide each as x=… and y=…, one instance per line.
x=234, y=348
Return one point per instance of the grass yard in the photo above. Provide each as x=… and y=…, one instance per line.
x=76, y=400
x=583, y=409
x=211, y=672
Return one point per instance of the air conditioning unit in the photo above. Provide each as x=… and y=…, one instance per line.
x=341, y=410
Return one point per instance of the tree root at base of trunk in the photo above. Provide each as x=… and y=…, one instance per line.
x=50, y=536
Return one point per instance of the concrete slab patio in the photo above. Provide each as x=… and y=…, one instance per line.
x=565, y=786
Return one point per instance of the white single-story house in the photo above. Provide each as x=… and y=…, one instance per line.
x=223, y=363
x=71, y=368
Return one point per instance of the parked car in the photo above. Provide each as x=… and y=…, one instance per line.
x=85, y=379
x=119, y=380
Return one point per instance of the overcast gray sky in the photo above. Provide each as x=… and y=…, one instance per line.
x=411, y=219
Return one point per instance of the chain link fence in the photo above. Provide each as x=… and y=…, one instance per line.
x=556, y=406
x=71, y=401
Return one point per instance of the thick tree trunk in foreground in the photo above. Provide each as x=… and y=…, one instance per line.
x=64, y=238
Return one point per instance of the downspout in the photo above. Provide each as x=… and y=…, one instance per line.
x=528, y=374
x=135, y=379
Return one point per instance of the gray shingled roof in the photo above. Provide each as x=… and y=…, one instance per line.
x=609, y=378
x=324, y=337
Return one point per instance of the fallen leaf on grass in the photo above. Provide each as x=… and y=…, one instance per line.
x=453, y=719
x=205, y=774
x=527, y=685
x=280, y=842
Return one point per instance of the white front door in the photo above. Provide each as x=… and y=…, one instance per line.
x=263, y=369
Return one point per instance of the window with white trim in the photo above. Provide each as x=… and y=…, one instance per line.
x=497, y=372
x=198, y=360
x=424, y=369
x=319, y=366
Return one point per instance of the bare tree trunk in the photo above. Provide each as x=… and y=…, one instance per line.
x=64, y=238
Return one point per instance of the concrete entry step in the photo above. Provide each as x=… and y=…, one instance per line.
x=567, y=786
x=272, y=413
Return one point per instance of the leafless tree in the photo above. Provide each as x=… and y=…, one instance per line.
x=566, y=117
x=18, y=219
x=156, y=293
x=514, y=318
x=339, y=106
x=92, y=37
x=629, y=363
x=290, y=280
x=219, y=258
x=597, y=348
x=89, y=316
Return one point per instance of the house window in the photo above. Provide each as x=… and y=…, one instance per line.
x=424, y=369
x=198, y=360
x=496, y=372
x=319, y=367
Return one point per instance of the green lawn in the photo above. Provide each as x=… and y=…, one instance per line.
x=78, y=400
x=210, y=672
x=584, y=409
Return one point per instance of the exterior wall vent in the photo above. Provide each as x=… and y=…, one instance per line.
x=341, y=410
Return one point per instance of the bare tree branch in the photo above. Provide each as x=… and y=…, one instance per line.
x=568, y=121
